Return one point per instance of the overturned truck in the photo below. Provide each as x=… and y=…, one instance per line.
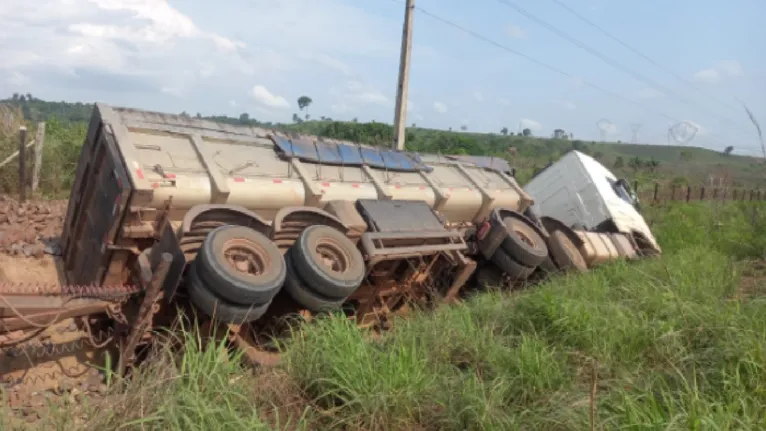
x=245, y=225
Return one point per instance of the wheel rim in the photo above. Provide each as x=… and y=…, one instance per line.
x=524, y=238
x=331, y=255
x=246, y=257
x=574, y=254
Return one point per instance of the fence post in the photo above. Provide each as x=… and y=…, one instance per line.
x=673, y=193
x=22, y=164
x=688, y=193
x=702, y=193
x=734, y=196
x=39, y=140
x=656, y=192
x=715, y=193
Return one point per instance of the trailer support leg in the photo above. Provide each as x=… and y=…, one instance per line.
x=468, y=266
x=143, y=318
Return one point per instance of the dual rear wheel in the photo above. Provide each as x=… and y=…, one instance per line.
x=525, y=251
x=239, y=271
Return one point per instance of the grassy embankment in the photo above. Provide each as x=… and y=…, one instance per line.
x=672, y=343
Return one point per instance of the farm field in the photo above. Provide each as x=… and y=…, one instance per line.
x=670, y=343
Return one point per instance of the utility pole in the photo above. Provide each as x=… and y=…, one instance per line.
x=400, y=114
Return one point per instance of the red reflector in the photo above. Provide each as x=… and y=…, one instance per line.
x=140, y=174
x=156, y=185
x=239, y=180
x=325, y=184
x=356, y=186
x=483, y=230
x=277, y=181
x=170, y=176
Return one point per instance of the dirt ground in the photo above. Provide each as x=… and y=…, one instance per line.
x=29, y=235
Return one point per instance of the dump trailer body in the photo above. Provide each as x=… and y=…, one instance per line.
x=580, y=191
x=136, y=165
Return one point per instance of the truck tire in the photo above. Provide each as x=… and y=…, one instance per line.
x=255, y=278
x=565, y=253
x=548, y=266
x=304, y=295
x=328, y=262
x=489, y=276
x=523, y=243
x=218, y=308
x=515, y=270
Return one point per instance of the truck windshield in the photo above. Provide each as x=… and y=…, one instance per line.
x=619, y=187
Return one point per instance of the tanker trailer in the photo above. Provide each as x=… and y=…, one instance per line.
x=248, y=224
x=256, y=219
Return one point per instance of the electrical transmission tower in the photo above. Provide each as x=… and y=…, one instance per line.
x=635, y=128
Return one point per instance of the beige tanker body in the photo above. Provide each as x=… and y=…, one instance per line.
x=201, y=162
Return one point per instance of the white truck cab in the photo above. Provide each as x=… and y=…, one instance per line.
x=582, y=193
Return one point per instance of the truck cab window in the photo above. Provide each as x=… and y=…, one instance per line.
x=623, y=191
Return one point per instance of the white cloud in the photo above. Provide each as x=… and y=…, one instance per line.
x=16, y=79
x=566, y=104
x=707, y=75
x=503, y=101
x=690, y=126
x=650, y=93
x=440, y=107
x=731, y=68
x=328, y=62
x=355, y=94
x=532, y=125
x=608, y=128
x=478, y=96
x=339, y=108
x=174, y=47
x=515, y=32
x=264, y=97
x=576, y=81
x=722, y=69
x=173, y=91
x=112, y=46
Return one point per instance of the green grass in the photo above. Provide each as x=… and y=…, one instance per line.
x=669, y=343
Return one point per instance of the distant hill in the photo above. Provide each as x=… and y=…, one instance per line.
x=678, y=164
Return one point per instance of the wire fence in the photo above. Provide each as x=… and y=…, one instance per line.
x=656, y=193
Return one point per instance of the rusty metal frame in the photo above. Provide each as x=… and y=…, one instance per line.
x=143, y=319
x=377, y=252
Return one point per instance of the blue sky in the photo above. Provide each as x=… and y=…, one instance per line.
x=259, y=56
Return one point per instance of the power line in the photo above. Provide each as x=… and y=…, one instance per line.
x=604, y=57
x=542, y=64
x=640, y=54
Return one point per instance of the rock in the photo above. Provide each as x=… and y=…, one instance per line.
x=33, y=250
